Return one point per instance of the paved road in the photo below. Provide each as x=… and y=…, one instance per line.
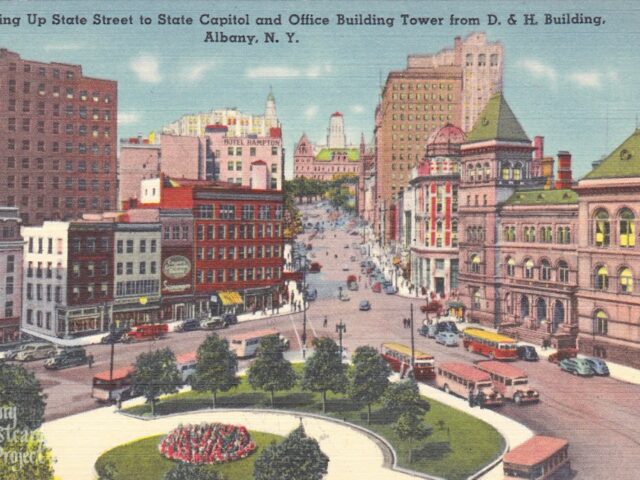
x=599, y=416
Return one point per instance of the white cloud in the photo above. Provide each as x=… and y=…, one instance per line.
x=357, y=109
x=62, y=46
x=147, y=68
x=127, y=118
x=587, y=79
x=311, y=111
x=196, y=72
x=539, y=69
x=284, y=71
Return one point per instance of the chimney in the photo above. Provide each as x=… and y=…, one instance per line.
x=538, y=154
x=547, y=171
x=564, y=170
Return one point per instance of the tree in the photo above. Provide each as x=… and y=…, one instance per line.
x=298, y=457
x=155, y=373
x=401, y=397
x=216, y=367
x=271, y=371
x=189, y=471
x=411, y=427
x=25, y=456
x=369, y=377
x=20, y=389
x=107, y=471
x=324, y=370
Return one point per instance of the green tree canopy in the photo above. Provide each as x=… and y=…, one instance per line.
x=26, y=457
x=216, y=367
x=188, y=471
x=369, y=377
x=270, y=371
x=298, y=457
x=410, y=427
x=155, y=373
x=20, y=389
x=401, y=397
x=324, y=370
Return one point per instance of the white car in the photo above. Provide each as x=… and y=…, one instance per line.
x=448, y=339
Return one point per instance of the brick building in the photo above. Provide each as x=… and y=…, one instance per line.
x=239, y=239
x=58, y=152
x=11, y=275
x=451, y=86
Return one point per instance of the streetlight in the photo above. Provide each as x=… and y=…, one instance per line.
x=340, y=329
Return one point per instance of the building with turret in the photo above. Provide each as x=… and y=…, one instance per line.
x=333, y=159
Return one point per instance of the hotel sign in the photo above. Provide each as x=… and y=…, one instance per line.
x=251, y=142
x=176, y=266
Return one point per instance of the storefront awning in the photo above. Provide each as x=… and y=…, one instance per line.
x=230, y=298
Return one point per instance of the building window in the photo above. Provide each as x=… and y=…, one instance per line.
x=563, y=272
x=475, y=263
x=545, y=270
x=130, y=246
x=627, y=238
x=528, y=268
x=601, y=278
x=602, y=232
x=625, y=280
x=511, y=267
x=600, y=323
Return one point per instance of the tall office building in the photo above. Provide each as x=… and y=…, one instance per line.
x=451, y=86
x=58, y=148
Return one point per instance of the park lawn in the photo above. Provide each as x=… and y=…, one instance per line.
x=141, y=460
x=456, y=448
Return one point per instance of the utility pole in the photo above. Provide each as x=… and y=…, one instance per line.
x=413, y=346
x=304, y=309
x=340, y=329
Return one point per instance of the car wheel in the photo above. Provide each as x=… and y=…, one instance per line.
x=446, y=388
x=517, y=399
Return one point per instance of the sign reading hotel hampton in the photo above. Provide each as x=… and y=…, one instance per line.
x=176, y=267
x=252, y=142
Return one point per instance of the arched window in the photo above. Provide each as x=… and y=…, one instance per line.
x=471, y=175
x=505, y=171
x=524, y=306
x=541, y=309
x=478, y=172
x=627, y=225
x=528, y=268
x=602, y=232
x=482, y=60
x=476, y=298
x=487, y=172
x=563, y=272
x=625, y=280
x=545, y=270
x=475, y=263
x=511, y=267
x=469, y=59
x=507, y=303
x=600, y=323
x=517, y=172
x=505, y=234
x=601, y=281
x=558, y=315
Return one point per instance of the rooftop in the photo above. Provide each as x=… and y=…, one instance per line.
x=497, y=122
x=562, y=196
x=325, y=154
x=535, y=450
x=624, y=161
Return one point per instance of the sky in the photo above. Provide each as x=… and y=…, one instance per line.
x=574, y=84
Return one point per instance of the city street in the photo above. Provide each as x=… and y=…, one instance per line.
x=597, y=415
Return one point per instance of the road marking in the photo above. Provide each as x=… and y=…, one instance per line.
x=295, y=330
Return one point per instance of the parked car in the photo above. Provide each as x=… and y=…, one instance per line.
x=562, y=354
x=447, y=338
x=447, y=326
x=315, y=267
x=344, y=297
x=390, y=290
x=213, y=323
x=376, y=287
x=36, y=351
x=311, y=295
x=230, y=318
x=189, y=325
x=114, y=336
x=67, y=357
x=528, y=353
x=365, y=305
x=11, y=354
x=598, y=366
x=576, y=366
x=428, y=331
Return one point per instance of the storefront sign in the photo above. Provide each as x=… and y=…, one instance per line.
x=175, y=288
x=176, y=266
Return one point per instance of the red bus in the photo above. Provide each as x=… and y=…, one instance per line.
x=398, y=357
x=489, y=344
x=108, y=387
x=539, y=458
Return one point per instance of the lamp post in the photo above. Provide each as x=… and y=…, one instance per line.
x=341, y=328
x=413, y=347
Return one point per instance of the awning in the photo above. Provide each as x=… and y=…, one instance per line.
x=455, y=304
x=230, y=298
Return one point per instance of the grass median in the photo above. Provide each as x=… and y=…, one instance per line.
x=458, y=446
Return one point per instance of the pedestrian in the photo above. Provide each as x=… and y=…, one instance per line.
x=325, y=321
x=90, y=361
x=472, y=398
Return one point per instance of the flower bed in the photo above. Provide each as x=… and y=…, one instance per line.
x=207, y=443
